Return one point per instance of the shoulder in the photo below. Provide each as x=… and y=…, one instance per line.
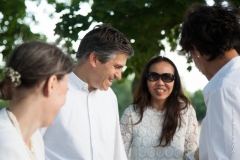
x=229, y=81
x=191, y=111
x=127, y=114
x=9, y=135
x=110, y=92
x=10, y=146
x=188, y=109
x=6, y=126
x=107, y=96
x=129, y=110
x=3, y=117
x=131, y=113
x=230, y=91
x=9, y=151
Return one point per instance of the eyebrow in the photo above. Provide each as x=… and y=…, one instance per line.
x=118, y=65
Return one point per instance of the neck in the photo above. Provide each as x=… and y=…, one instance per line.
x=82, y=71
x=159, y=105
x=27, y=116
x=216, y=64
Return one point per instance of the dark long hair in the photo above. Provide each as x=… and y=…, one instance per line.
x=175, y=103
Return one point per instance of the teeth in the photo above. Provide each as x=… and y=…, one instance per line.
x=160, y=90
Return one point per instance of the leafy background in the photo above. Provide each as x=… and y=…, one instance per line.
x=146, y=23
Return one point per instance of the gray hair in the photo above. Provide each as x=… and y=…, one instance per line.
x=105, y=41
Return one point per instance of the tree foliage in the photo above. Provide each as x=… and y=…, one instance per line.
x=145, y=23
x=13, y=27
x=3, y=104
x=123, y=93
x=199, y=104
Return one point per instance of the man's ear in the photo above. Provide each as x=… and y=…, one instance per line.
x=93, y=59
x=50, y=85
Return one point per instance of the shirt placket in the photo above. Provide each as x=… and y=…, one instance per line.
x=93, y=126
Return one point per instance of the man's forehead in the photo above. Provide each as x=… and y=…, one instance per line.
x=120, y=59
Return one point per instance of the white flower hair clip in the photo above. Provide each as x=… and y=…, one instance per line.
x=13, y=75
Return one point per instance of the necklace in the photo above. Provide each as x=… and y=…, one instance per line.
x=29, y=149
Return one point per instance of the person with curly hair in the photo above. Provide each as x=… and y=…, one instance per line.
x=161, y=122
x=211, y=35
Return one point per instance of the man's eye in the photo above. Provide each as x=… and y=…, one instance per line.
x=118, y=67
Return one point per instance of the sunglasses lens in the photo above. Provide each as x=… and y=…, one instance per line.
x=167, y=77
x=153, y=76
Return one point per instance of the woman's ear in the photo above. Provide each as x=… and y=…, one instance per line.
x=50, y=85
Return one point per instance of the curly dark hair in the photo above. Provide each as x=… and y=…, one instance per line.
x=212, y=30
x=175, y=103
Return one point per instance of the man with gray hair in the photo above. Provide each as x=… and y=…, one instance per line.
x=87, y=126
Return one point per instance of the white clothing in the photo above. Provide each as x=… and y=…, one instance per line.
x=12, y=146
x=143, y=138
x=220, y=131
x=86, y=127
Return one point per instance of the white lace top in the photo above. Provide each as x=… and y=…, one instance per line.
x=143, y=138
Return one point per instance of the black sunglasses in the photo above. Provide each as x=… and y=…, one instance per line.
x=165, y=77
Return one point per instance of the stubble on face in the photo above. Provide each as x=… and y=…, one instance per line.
x=109, y=71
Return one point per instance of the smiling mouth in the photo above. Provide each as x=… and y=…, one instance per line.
x=111, y=81
x=160, y=90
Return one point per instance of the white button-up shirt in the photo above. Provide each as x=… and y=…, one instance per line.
x=12, y=146
x=220, y=131
x=86, y=127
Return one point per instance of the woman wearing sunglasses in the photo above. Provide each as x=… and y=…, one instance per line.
x=161, y=123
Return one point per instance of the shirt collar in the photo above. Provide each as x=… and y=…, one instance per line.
x=231, y=65
x=76, y=82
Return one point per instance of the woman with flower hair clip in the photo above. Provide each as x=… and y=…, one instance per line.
x=161, y=123
x=35, y=82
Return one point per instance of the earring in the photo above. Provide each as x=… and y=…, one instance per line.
x=198, y=56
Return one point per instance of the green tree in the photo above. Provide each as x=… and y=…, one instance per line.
x=186, y=92
x=145, y=23
x=123, y=93
x=3, y=104
x=199, y=104
x=13, y=27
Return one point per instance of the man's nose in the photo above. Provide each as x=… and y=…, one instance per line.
x=118, y=74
